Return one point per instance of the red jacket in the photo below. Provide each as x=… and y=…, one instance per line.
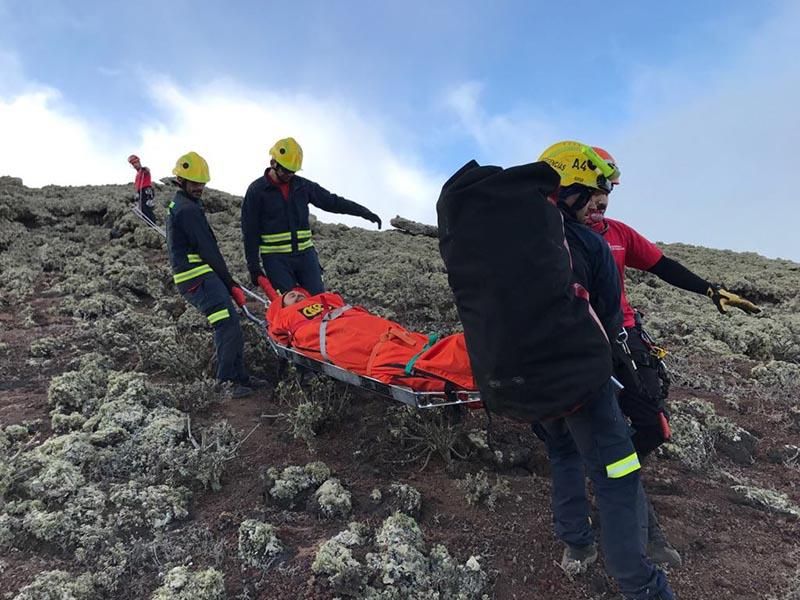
x=324, y=327
x=142, y=179
x=630, y=249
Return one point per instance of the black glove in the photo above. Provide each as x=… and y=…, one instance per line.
x=254, y=275
x=722, y=299
x=371, y=216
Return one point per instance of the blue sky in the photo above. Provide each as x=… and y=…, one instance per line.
x=698, y=101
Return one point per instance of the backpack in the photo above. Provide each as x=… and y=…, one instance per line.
x=536, y=348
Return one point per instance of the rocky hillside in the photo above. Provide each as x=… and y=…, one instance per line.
x=123, y=474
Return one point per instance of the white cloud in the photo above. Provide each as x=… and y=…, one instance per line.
x=503, y=139
x=45, y=141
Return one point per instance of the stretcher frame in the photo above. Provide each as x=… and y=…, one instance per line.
x=417, y=399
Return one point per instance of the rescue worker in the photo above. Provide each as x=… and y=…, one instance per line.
x=275, y=226
x=143, y=185
x=596, y=437
x=200, y=272
x=647, y=383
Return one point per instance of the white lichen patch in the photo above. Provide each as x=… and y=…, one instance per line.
x=764, y=499
x=258, y=544
x=404, y=498
x=59, y=585
x=698, y=432
x=182, y=584
x=332, y=500
x=290, y=486
x=398, y=565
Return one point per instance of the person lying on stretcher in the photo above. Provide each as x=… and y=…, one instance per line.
x=324, y=327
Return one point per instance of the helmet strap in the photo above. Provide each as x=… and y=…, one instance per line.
x=584, y=195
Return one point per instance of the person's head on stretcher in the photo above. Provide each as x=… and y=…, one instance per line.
x=293, y=297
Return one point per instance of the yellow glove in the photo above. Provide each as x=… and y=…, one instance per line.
x=722, y=299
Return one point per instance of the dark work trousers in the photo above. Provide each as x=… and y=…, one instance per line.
x=642, y=400
x=210, y=296
x=146, y=203
x=287, y=271
x=591, y=439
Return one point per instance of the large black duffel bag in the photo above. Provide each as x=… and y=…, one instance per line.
x=536, y=348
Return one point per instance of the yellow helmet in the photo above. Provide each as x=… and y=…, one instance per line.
x=192, y=167
x=288, y=154
x=581, y=164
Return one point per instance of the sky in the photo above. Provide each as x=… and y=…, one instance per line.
x=699, y=102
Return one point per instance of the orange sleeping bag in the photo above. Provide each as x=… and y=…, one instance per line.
x=324, y=327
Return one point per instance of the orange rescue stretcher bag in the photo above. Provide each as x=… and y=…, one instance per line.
x=325, y=328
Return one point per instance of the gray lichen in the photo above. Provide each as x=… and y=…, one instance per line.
x=258, y=544
x=478, y=489
x=333, y=500
x=764, y=499
x=290, y=486
x=182, y=584
x=398, y=566
x=59, y=585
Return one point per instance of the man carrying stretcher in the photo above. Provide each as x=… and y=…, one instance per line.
x=325, y=328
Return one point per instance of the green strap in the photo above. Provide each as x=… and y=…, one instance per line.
x=432, y=339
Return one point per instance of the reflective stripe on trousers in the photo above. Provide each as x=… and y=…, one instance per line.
x=185, y=276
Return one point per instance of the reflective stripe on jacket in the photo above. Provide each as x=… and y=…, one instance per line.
x=274, y=225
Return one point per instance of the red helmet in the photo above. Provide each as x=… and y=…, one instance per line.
x=133, y=158
x=606, y=156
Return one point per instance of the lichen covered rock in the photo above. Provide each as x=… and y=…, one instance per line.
x=767, y=500
x=182, y=584
x=291, y=486
x=397, y=567
x=333, y=500
x=258, y=544
x=698, y=432
x=59, y=585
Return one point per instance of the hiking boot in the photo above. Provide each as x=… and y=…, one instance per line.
x=578, y=559
x=240, y=391
x=256, y=382
x=660, y=552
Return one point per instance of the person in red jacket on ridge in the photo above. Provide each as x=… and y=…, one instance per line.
x=646, y=380
x=143, y=185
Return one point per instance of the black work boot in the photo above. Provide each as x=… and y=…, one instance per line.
x=241, y=391
x=659, y=549
x=578, y=559
x=256, y=382
x=662, y=553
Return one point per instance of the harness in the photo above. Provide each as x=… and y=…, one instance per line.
x=323, y=329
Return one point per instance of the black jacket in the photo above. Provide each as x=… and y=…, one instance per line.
x=191, y=242
x=265, y=212
x=594, y=268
